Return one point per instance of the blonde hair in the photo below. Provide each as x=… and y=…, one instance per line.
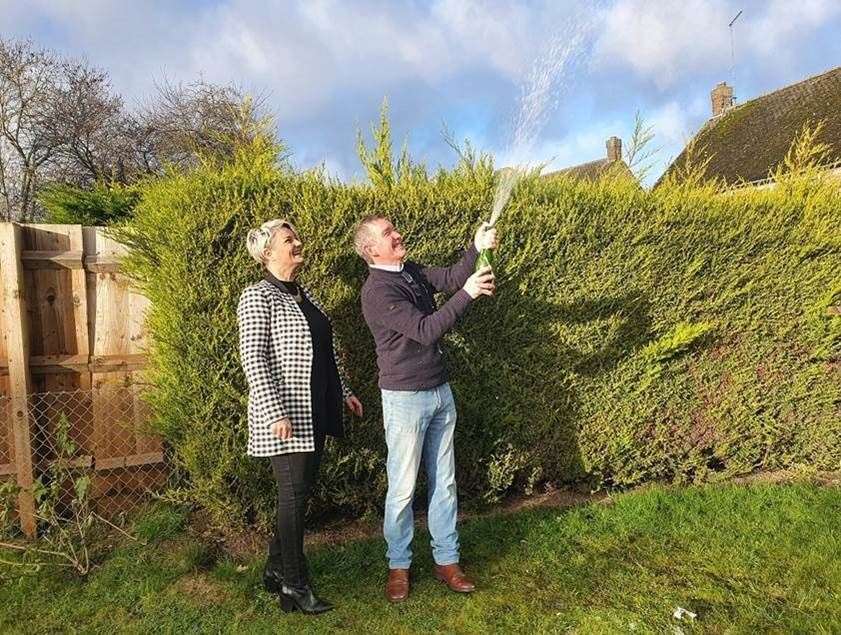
x=259, y=239
x=363, y=236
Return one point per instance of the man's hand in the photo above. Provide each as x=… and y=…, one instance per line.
x=480, y=283
x=354, y=405
x=282, y=429
x=485, y=237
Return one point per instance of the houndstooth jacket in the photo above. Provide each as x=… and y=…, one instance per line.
x=276, y=354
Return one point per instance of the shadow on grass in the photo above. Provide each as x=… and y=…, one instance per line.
x=485, y=543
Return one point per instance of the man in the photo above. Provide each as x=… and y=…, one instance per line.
x=418, y=409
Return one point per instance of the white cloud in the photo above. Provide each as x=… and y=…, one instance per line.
x=500, y=34
x=304, y=51
x=666, y=41
x=786, y=22
x=674, y=124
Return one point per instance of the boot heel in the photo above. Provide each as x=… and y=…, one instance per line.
x=304, y=600
x=272, y=586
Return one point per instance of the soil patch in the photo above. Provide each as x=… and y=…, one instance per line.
x=201, y=590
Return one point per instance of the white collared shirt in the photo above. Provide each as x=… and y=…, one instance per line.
x=394, y=268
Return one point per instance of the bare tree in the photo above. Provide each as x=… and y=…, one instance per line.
x=28, y=79
x=89, y=125
x=186, y=121
x=61, y=122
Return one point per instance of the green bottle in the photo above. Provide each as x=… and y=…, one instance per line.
x=485, y=259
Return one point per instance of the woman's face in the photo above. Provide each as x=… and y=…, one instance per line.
x=285, y=250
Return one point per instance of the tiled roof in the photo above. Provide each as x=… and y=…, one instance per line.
x=748, y=141
x=592, y=170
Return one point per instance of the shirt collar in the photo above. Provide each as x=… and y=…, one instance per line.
x=287, y=287
x=394, y=268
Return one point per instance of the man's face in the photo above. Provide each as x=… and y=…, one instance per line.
x=386, y=247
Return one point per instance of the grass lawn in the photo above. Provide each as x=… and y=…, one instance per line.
x=744, y=558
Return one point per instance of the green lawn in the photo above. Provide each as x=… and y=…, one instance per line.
x=746, y=559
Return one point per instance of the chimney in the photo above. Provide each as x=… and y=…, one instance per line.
x=722, y=98
x=614, y=149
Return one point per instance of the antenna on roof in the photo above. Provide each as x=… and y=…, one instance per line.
x=733, y=51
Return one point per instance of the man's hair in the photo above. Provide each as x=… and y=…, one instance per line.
x=363, y=236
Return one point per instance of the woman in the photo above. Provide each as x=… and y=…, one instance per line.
x=295, y=390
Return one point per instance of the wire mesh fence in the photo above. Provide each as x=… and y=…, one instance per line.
x=94, y=444
x=8, y=467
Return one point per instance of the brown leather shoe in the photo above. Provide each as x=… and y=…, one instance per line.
x=454, y=578
x=397, y=587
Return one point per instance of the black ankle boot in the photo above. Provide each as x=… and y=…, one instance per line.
x=303, y=599
x=272, y=580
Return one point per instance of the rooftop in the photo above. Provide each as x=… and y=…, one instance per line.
x=748, y=141
x=593, y=170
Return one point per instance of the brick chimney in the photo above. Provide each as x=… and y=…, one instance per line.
x=614, y=149
x=722, y=98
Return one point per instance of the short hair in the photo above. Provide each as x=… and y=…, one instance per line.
x=363, y=236
x=260, y=238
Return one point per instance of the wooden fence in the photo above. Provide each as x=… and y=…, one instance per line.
x=72, y=350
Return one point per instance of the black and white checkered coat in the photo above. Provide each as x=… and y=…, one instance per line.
x=276, y=352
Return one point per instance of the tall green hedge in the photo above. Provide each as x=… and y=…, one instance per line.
x=676, y=334
x=101, y=204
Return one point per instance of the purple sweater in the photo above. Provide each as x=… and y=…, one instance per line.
x=401, y=313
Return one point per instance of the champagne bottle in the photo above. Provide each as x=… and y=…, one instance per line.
x=485, y=259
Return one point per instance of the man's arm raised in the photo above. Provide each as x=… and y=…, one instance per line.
x=398, y=313
x=450, y=279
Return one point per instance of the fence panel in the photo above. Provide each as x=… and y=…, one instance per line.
x=72, y=360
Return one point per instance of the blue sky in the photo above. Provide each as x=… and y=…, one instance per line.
x=326, y=65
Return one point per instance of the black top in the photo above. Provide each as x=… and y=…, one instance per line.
x=325, y=387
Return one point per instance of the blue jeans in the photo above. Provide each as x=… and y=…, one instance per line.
x=420, y=423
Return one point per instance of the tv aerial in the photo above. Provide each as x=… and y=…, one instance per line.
x=733, y=51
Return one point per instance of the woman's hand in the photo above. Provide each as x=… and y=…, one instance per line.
x=354, y=405
x=282, y=429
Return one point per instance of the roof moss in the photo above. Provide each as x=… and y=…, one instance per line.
x=749, y=141
x=593, y=170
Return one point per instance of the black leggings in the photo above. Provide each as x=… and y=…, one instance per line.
x=295, y=474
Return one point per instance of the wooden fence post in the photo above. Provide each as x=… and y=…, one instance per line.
x=17, y=347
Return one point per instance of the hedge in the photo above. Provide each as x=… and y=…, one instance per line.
x=101, y=204
x=678, y=334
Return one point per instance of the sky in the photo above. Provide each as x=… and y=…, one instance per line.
x=572, y=73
